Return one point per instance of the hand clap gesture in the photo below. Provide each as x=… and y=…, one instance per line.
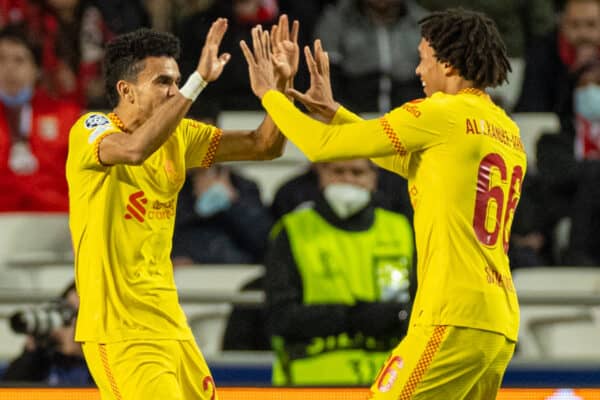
x=211, y=64
x=260, y=63
x=318, y=99
x=286, y=53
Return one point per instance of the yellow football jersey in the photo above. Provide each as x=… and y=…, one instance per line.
x=122, y=219
x=465, y=163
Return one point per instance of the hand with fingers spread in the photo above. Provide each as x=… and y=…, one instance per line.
x=286, y=53
x=260, y=64
x=211, y=64
x=318, y=99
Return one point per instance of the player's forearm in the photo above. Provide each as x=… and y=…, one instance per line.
x=159, y=127
x=269, y=139
x=326, y=142
x=344, y=116
x=144, y=140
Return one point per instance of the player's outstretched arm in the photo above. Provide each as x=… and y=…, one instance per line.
x=146, y=138
x=318, y=141
x=275, y=57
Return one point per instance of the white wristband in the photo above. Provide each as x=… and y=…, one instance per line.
x=193, y=86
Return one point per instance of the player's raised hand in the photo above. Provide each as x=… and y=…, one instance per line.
x=318, y=99
x=260, y=63
x=211, y=64
x=286, y=53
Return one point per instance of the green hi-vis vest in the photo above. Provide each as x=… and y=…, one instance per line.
x=343, y=267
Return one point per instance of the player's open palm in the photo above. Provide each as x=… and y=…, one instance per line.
x=318, y=99
x=286, y=53
x=211, y=64
x=260, y=63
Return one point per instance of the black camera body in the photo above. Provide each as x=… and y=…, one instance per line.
x=41, y=321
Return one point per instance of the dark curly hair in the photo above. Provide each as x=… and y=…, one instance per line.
x=470, y=42
x=125, y=55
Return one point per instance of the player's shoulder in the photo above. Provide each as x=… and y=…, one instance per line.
x=187, y=123
x=92, y=125
x=93, y=119
x=435, y=105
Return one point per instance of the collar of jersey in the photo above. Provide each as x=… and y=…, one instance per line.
x=474, y=91
x=114, y=118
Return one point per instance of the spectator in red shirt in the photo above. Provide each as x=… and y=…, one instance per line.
x=552, y=61
x=34, y=130
x=72, y=34
x=14, y=12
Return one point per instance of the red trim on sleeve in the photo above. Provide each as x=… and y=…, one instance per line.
x=391, y=134
x=209, y=158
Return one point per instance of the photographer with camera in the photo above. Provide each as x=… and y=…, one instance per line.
x=51, y=354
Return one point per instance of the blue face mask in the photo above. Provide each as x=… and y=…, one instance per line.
x=214, y=200
x=24, y=96
x=587, y=102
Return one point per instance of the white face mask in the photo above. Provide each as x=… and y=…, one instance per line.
x=345, y=199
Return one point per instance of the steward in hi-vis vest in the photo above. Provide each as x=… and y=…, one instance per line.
x=337, y=292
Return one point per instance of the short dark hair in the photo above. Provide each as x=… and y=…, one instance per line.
x=470, y=42
x=18, y=34
x=125, y=55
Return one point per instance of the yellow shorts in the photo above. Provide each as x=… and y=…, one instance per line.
x=444, y=362
x=158, y=369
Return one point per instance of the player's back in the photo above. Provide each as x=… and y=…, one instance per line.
x=465, y=185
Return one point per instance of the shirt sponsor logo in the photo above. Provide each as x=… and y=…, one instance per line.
x=95, y=120
x=139, y=208
x=136, y=208
x=412, y=109
x=162, y=210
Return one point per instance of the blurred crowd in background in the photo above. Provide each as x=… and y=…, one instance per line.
x=48, y=81
x=51, y=55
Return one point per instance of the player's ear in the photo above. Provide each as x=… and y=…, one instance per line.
x=125, y=91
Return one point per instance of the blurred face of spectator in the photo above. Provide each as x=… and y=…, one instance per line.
x=155, y=84
x=347, y=185
x=383, y=5
x=246, y=8
x=590, y=77
x=587, y=94
x=359, y=173
x=65, y=336
x=18, y=70
x=431, y=72
x=73, y=299
x=581, y=23
x=62, y=4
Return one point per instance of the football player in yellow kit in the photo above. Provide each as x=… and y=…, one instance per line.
x=465, y=164
x=125, y=170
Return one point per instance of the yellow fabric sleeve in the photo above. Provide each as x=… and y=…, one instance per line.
x=201, y=142
x=397, y=163
x=344, y=116
x=327, y=142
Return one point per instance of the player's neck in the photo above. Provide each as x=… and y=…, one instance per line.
x=457, y=84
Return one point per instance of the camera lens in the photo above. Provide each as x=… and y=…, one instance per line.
x=43, y=320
